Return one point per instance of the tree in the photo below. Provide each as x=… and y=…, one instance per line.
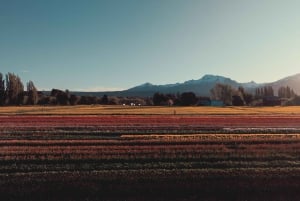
x=14, y=89
x=113, y=100
x=62, y=97
x=104, y=100
x=237, y=100
x=246, y=97
x=74, y=100
x=188, y=98
x=33, y=96
x=286, y=92
x=148, y=101
x=222, y=92
x=2, y=90
x=159, y=99
x=258, y=93
x=268, y=91
x=264, y=91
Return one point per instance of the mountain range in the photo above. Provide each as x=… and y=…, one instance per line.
x=200, y=87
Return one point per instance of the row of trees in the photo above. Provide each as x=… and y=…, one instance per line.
x=59, y=97
x=262, y=96
x=286, y=92
x=231, y=96
x=12, y=91
x=184, y=99
x=283, y=92
x=228, y=95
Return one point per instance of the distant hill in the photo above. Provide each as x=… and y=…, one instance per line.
x=291, y=81
x=201, y=87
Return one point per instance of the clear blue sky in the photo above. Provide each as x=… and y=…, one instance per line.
x=109, y=44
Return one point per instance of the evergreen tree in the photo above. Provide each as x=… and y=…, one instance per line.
x=188, y=98
x=159, y=99
x=257, y=93
x=104, y=100
x=286, y=92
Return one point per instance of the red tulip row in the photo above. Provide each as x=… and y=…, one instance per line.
x=151, y=120
x=43, y=153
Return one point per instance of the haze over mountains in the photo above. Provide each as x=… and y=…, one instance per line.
x=200, y=87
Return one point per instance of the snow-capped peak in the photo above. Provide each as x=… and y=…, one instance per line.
x=213, y=78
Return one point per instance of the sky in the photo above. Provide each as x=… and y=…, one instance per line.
x=98, y=45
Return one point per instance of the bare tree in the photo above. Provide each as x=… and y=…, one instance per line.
x=14, y=89
x=2, y=90
x=222, y=92
x=33, y=97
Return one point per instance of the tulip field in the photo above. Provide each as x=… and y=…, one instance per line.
x=72, y=154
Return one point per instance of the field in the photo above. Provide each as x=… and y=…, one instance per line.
x=145, y=110
x=149, y=153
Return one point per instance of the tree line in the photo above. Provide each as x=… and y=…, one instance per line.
x=230, y=96
x=12, y=92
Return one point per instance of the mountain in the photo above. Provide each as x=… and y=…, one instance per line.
x=200, y=87
x=203, y=85
x=291, y=81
